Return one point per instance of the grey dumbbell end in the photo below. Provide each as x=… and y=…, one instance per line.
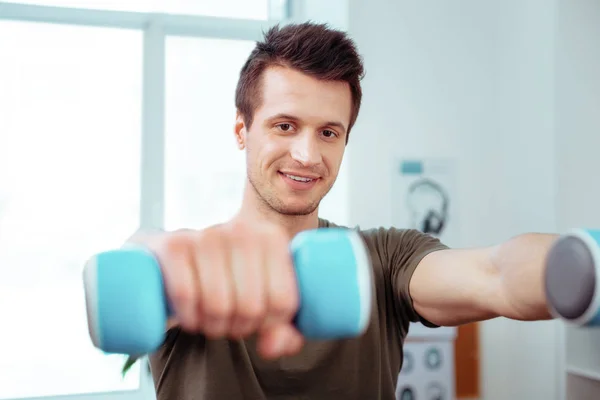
x=570, y=278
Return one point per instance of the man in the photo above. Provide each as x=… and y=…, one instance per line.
x=232, y=285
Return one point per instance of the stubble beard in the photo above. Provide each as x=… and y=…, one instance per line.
x=270, y=199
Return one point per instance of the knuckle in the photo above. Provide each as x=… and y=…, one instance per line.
x=251, y=310
x=237, y=229
x=182, y=293
x=207, y=239
x=284, y=303
x=242, y=327
x=214, y=308
x=245, y=239
x=175, y=243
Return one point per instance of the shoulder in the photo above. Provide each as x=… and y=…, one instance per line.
x=390, y=239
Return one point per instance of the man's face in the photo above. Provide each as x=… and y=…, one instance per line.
x=297, y=139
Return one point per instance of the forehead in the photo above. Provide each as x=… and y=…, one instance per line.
x=285, y=90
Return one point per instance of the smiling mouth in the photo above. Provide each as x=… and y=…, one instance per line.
x=298, y=178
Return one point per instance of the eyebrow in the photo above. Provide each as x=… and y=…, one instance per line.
x=292, y=118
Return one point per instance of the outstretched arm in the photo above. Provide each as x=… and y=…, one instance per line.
x=457, y=286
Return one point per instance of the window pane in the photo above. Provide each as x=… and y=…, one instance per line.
x=205, y=172
x=69, y=187
x=114, y=5
x=247, y=9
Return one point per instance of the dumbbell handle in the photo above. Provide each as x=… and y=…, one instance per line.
x=128, y=309
x=572, y=278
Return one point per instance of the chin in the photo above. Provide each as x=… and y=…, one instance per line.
x=295, y=207
x=296, y=210
x=284, y=202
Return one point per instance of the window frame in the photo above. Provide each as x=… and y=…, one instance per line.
x=155, y=27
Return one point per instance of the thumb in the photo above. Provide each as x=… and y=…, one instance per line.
x=279, y=340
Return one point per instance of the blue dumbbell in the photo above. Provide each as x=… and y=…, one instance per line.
x=127, y=308
x=572, y=277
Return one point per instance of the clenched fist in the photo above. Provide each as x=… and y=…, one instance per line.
x=230, y=281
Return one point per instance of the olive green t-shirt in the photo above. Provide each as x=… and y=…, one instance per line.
x=190, y=367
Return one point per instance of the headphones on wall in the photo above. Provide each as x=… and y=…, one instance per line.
x=434, y=220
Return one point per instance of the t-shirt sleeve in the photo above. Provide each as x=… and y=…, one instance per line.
x=405, y=250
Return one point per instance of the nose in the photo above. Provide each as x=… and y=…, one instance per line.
x=305, y=150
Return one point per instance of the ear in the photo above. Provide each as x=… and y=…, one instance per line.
x=240, y=131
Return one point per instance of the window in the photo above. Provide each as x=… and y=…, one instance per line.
x=79, y=171
x=204, y=169
x=69, y=186
x=247, y=9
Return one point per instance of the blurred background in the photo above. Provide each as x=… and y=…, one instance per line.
x=116, y=114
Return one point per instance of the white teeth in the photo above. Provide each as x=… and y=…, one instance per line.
x=298, y=178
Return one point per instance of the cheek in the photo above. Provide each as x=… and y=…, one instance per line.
x=266, y=152
x=333, y=160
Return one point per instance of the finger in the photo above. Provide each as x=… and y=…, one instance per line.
x=175, y=258
x=247, y=274
x=277, y=341
x=295, y=342
x=215, y=295
x=282, y=291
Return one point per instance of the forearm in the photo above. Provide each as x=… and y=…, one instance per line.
x=520, y=264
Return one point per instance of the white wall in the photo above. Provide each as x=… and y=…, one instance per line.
x=578, y=142
x=511, y=89
x=578, y=113
x=471, y=80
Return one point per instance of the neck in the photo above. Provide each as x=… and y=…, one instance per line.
x=254, y=210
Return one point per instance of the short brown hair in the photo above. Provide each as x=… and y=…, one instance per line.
x=314, y=49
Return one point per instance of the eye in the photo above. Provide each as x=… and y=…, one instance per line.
x=285, y=127
x=329, y=134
